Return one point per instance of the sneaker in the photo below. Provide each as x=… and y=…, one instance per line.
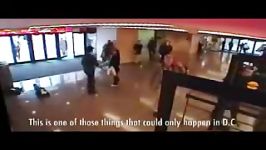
x=114, y=85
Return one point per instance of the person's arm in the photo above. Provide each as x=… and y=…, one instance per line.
x=96, y=62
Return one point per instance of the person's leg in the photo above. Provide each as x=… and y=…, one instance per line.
x=91, y=84
x=217, y=114
x=116, y=79
x=150, y=55
x=233, y=111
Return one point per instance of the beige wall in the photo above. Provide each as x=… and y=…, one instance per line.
x=194, y=43
x=126, y=38
x=178, y=40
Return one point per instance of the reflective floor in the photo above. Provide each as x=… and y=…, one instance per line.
x=134, y=99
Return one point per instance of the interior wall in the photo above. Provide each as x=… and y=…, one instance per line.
x=179, y=40
x=103, y=35
x=194, y=43
x=126, y=38
x=144, y=36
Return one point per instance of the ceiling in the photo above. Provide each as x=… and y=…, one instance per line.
x=249, y=27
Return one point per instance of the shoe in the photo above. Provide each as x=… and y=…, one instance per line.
x=92, y=93
x=155, y=113
x=114, y=85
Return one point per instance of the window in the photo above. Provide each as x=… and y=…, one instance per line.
x=22, y=52
x=79, y=46
x=259, y=47
x=50, y=45
x=38, y=49
x=6, y=50
x=246, y=44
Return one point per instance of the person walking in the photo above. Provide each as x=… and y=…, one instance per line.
x=89, y=63
x=165, y=49
x=152, y=48
x=137, y=51
x=115, y=65
x=231, y=44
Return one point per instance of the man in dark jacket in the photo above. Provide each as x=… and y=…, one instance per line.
x=231, y=44
x=165, y=49
x=115, y=62
x=151, y=48
x=89, y=62
x=107, y=51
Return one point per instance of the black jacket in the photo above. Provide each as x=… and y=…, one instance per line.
x=115, y=61
x=164, y=49
x=152, y=45
x=137, y=48
x=89, y=62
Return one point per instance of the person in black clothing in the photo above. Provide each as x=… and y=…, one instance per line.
x=231, y=44
x=165, y=49
x=241, y=46
x=89, y=62
x=115, y=62
x=223, y=45
x=107, y=51
x=152, y=48
x=137, y=49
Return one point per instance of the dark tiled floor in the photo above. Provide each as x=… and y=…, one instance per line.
x=134, y=98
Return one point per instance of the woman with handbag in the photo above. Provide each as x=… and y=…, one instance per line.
x=114, y=66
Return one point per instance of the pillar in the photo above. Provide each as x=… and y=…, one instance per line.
x=195, y=39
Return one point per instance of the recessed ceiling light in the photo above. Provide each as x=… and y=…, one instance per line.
x=27, y=101
x=68, y=103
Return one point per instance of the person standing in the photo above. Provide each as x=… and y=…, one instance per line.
x=165, y=49
x=223, y=45
x=107, y=51
x=18, y=50
x=89, y=63
x=115, y=64
x=151, y=48
x=231, y=44
x=245, y=48
x=137, y=50
x=241, y=46
x=63, y=47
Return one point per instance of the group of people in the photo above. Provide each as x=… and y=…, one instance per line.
x=111, y=55
x=243, y=47
x=164, y=49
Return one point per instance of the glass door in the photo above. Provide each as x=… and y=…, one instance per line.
x=246, y=46
x=259, y=48
x=66, y=45
x=79, y=47
x=50, y=43
x=38, y=47
x=6, y=54
x=91, y=40
x=22, y=51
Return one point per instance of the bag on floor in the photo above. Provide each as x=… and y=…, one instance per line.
x=15, y=91
x=40, y=91
x=111, y=71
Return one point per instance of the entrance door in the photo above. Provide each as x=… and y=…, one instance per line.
x=6, y=49
x=22, y=51
x=66, y=45
x=50, y=43
x=79, y=47
x=38, y=47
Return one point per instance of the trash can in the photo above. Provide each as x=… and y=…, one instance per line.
x=6, y=81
